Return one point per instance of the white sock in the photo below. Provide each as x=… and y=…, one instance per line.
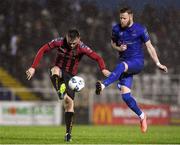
x=141, y=116
x=102, y=86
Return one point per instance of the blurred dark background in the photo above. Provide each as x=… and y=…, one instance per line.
x=25, y=25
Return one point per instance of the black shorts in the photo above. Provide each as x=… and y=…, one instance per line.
x=66, y=77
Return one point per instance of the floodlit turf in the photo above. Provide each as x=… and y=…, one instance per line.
x=89, y=135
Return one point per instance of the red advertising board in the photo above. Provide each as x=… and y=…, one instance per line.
x=121, y=114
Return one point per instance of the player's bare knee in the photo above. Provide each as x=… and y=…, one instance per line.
x=125, y=90
x=69, y=107
x=56, y=71
x=68, y=104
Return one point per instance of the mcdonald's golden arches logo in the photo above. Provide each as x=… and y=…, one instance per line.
x=102, y=114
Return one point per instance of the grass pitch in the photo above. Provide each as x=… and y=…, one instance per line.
x=89, y=135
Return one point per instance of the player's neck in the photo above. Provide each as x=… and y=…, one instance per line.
x=131, y=24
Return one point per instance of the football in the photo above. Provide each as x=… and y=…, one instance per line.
x=76, y=83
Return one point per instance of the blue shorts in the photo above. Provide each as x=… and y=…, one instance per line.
x=135, y=66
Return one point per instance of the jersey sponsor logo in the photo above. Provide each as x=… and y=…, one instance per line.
x=67, y=56
x=130, y=42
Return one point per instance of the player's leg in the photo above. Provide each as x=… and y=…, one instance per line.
x=69, y=106
x=114, y=76
x=126, y=83
x=57, y=81
x=69, y=113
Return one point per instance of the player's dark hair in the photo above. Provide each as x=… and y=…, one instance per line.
x=126, y=10
x=73, y=33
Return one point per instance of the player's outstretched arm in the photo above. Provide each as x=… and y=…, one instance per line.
x=30, y=72
x=93, y=55
x=153, y=54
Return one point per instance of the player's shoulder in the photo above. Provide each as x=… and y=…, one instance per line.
x=58, y=39
x=142, y=30
x=139, y=26
x=116, y=27
x=84, y=47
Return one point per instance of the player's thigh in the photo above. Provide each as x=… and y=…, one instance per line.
x=68, y=103
x=126, y=83
x=56, y=70
x=125, y=89
x=68, y=99
x=66, y=77
x=135, y=66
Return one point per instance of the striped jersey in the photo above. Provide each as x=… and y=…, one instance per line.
x=68, y=59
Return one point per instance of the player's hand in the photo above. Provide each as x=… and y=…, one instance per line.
x=30, y=72
x=123, y=47
x=162, y=67
x=106, y=72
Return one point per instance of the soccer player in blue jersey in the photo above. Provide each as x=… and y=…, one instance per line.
x=128, y=38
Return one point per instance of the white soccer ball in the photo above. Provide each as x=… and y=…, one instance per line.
x=76, y=83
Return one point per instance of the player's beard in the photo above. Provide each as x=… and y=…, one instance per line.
x=127, y=24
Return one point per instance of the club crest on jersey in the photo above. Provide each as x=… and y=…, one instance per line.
x=134, y=34
x=120, y=33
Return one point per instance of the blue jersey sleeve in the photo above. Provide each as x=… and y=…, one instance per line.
x=114, y=35
x=145, y=35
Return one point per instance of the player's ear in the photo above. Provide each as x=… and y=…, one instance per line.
x=131, y=16
x=78, y=38
x=67, y=38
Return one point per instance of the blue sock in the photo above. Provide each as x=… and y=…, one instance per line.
x=130, y=101
x=114, y=76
